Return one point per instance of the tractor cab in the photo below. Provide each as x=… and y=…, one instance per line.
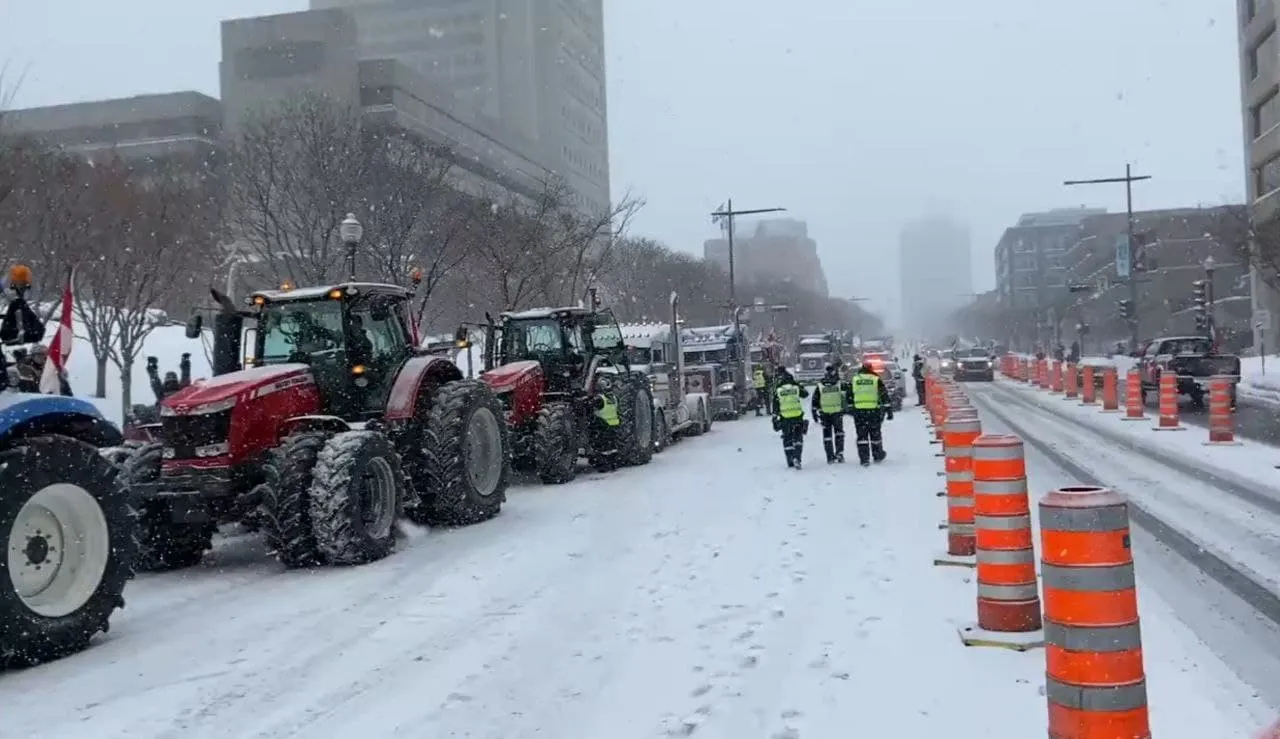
x=569, y=343
x=354, y=336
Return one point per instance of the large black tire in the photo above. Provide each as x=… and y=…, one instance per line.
x=661, y=432
x=163, y=544
x=555, y=439
x=635, y=433
x=465, y=456
x=357, y=493
x=34, y=630
x=286, y=499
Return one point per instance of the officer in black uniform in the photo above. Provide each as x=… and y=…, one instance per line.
x=871, y=404
x=917, y=373
x=830, y=403
x=788, y=416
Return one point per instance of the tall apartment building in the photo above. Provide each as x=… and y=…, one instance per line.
x=1029, y=258
x=777, y=249
x=537, y=66
x=936, y=271
x=1260, y=102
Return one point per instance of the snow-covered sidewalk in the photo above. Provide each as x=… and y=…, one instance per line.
x=713, y=593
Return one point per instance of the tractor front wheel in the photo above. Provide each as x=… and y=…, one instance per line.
x=555, y=439
x=66, y=532
x=357, y=492
x=635, y=410
x=163, y=544
x=286, y=498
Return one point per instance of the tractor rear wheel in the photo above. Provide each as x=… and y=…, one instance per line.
x=464, y=465
x=163, y=544
x=66, y=548
x=635, y=410
x=555, y=440
x=286, y=498
x=357, y=493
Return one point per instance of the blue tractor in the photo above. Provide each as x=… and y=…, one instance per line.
x=67, y=542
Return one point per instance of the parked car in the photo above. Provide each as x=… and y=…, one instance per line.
x=1193, y=360
x=975, y=363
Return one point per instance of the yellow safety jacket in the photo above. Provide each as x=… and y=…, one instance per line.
x=865, y=391
x=789, y=405
x=608, y=411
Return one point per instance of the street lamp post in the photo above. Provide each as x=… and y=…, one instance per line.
x=1209, y=266
x=726, y=215
x=351, y=232
x=1128, y=180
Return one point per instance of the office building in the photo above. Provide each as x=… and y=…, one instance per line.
x=273, y=58
x=771, y=250
x=535, y=66
x=1260, y=103
x=936, y=271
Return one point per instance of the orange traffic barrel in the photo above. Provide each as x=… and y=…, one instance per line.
x=1168, y=403
x=1008, y=595
x=1042, y=374
x=1088, y=391
x=1133, y=407
x=1024, y=369
x=1055, y=377
x=1071, y=382
x=1222, y=429
x=1110, y=394
x=957, y=442
x=1095, y=682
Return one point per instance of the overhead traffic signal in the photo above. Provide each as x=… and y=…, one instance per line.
x=1126, y=309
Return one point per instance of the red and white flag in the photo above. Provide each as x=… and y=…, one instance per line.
x=60, y=347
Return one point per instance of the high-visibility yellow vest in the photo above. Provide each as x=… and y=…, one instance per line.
x=865, y=391
x=608, y=411
x=830, y=398
x=757, y=379
x=789, y=405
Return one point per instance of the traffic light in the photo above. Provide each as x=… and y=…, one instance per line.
x=1126, y=309
x=1200, y=299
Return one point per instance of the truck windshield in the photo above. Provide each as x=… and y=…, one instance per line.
x=295, y=332
x=815, y=347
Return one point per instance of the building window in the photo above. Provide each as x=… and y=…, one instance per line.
x=1267, y=177
x=1264, y=55
x=1267, y=113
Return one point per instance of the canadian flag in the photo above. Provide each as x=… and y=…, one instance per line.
x=60, y=347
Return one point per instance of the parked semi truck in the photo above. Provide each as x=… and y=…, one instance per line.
x=655, y=349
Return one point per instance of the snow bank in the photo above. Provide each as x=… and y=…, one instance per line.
x=1260, y=388
x=1242, y=462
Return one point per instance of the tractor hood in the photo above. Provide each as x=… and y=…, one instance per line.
x=505, y=378
x=201, y=394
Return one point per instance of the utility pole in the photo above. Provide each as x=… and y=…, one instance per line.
x=725, y=216
x=1128, y=180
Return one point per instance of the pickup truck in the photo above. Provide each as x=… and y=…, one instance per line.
x=1192, y=359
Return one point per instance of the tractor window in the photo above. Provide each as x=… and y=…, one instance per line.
x=606, y=337
x=293, y=332
x=384, y=332
x=574, y=335
x=531, y=339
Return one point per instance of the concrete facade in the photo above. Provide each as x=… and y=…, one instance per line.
x=139, y=130
x=535, y=66
x=936, y=271
x=777, y=249
x=1173, y=256
x=267, y=59
x=1031, y=274
x=1259, y=50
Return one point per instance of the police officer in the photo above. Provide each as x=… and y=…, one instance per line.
x=788, y=416
x=761, y=384
x=917, y=372
x=829, y=407
x=604, y=442
x=871, y=405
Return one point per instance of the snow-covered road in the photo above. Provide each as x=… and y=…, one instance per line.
x=713, y=593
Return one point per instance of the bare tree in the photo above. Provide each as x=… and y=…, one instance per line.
x=1255, y=244
x=296, y=170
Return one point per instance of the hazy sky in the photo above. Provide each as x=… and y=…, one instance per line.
x=855, y=115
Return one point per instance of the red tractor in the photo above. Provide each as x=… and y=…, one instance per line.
x=331, y=428
x=550, y=368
